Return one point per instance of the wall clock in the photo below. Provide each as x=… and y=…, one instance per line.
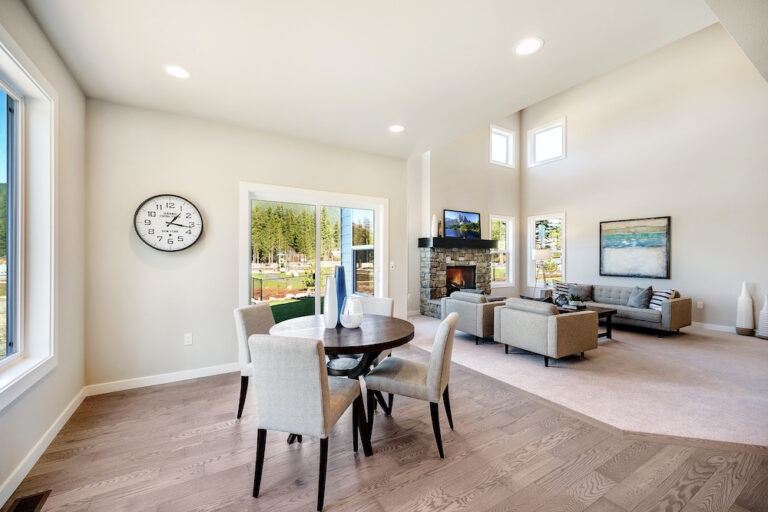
x=168, y=222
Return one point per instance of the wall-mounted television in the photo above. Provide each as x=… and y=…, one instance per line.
x=461, y=224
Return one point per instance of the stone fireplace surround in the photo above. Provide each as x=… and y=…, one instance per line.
x=432, y=273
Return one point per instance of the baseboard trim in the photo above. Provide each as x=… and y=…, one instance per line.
x=716, y=327
x=162, y=378
x=20, y=472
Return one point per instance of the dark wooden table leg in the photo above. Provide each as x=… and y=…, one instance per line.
x=383, y=403
x=362, y=426
x=609, y=327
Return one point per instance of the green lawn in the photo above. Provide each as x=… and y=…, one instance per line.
x=292, y=308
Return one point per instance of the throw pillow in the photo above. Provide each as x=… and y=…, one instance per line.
x=640, y=297
x=560, y=288
x=582, y=290
x=659, y=296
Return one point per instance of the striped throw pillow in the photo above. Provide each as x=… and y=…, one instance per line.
x=658, y=297
x=560, y=288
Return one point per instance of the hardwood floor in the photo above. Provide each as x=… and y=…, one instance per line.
x=178, y=447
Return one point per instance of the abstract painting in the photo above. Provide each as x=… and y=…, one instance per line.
x=635, y=248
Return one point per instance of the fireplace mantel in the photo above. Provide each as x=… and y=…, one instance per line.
x=457, y=243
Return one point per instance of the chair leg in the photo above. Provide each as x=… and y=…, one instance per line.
x=477, y=340
x=261, y=444
x=391, y=398
x=546, y=361
x=354, y=426
x=447, y=404
x=506, y=349
x=436, y=427
x=243, y=392
x=321, y=478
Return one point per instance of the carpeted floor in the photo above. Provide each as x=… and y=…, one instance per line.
x=700, y=383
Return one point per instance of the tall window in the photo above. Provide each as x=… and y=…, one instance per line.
x=502, y=146
x=8, y=343
x=298, y=239
x=502, y=262
x=546, y=232
x=546, y=143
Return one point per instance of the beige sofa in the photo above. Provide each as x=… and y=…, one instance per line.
x=475, y=313
x=537, y=327
x=675, y=313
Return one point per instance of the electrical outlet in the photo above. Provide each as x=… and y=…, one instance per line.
x=391, y=265
x=188, y=338
x=699, y=305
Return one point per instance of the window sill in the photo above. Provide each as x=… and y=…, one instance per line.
x=17, y=377
x=502, y=284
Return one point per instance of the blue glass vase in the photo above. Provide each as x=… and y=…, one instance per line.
x=341, y=291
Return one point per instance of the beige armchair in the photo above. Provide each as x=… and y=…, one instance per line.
x=537, y=327
x=474, y=310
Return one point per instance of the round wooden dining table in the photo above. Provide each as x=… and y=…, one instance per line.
x=361, y=346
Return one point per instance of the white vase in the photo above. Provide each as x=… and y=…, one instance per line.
x=762, y=325
x=745, y=318
x=433, y=226
x=330, y=303
x=352, y=312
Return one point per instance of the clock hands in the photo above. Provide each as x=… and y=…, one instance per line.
x=173, y=220
x=174, y=224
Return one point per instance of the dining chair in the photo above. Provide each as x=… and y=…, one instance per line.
x=294, y=394
x=255, y=319
x=418, y=380
x=383, y=306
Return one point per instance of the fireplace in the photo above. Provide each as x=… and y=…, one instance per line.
x=457, y=277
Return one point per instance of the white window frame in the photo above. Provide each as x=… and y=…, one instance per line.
x=511, y=230
x=318, y=199
x=531, y=267
x=511, y=146
x=36, y=340
x=531, y=136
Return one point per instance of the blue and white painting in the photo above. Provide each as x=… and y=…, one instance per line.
x=635, y=248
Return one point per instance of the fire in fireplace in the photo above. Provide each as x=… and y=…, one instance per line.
x=458, y=277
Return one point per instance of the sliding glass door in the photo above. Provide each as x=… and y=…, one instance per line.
x=294, y=247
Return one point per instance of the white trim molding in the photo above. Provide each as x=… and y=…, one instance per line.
x=162, y=378
x=531, y=142
x=511, y=137
x=715, y=327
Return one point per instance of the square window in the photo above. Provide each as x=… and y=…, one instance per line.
x=502, y=147
x=546, y=143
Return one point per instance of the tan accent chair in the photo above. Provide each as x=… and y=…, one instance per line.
x=537, y=327
x=294, y=394
x=421, y=381
x=255, y=319
x=474, y=310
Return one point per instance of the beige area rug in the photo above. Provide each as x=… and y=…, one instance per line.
x=700, y=383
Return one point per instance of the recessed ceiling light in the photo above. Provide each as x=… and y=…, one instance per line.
x=177, y=72
x=528, y=46
x=396, y=128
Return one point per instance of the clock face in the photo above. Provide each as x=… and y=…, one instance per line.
x=168, y=223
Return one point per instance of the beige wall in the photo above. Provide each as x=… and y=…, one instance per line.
x=461, y=177
x=680, y=132
x=140, y=301
x=25, y=421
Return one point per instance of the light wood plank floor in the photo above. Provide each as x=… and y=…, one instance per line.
x=178, y=447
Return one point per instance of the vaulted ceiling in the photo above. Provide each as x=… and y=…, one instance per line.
x=342, y=71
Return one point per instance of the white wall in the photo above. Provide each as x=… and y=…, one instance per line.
x=25, y=422
x=461, y=177
x=141, y=301
x=680, y=132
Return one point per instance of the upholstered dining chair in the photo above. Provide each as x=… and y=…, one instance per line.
x=256, y=319
x=294, y=394
x=421, y=381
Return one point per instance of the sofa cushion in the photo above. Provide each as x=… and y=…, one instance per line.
x=660, y=296
x=582, y=290
x=471, y=290
x=531, y=306
x=560, y=288
x=613, y=295
x=645, y=315
x=640, y=297
x=476, y=298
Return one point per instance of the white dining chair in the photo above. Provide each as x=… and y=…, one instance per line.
x=294, y=394
x=255, y=319
x=383, y=306
x=421, y=381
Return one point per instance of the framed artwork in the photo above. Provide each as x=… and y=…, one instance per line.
x=635, y=248
x=461, y=224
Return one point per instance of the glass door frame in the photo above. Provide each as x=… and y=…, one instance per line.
x=317, y=198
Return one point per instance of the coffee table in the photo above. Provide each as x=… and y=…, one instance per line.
x=602, y=312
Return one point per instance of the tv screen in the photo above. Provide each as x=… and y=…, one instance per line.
x=461, y=224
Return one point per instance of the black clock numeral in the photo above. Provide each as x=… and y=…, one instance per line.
x=170, y=241
x=147, y=222
x=151, y=232
x=159, y=237
x=181, y=238
x=159, y=206
x=152, y=214
x=189, y=215
x=189, y=231
x=191, y=224
x=170, y=205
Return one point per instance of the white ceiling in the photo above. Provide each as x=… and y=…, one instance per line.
x=342, y=71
